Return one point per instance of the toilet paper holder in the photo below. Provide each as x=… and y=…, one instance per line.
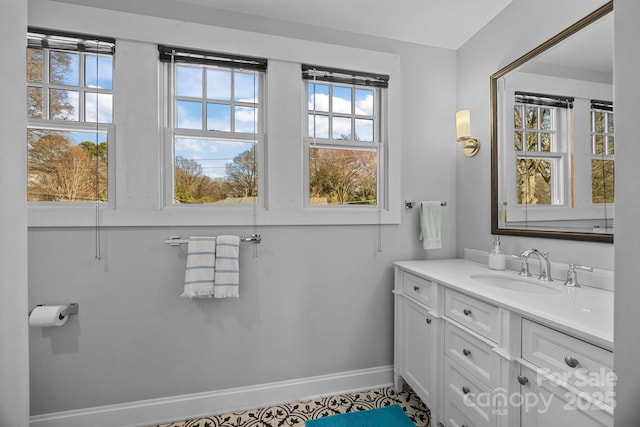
x=72, y=308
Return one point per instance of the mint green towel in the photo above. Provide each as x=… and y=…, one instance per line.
x=430, y=218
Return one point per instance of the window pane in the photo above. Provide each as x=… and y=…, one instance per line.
x=517, y=116
x=189, y=115
x=214, y=171
x=341, y=100
x=599, y=144
x=532, y=141
x=219, y=84
x=64, y=68
x=188, y=81
x=342, y=177
x=610, y=122
x=245, y=119
x=364, y=130
x=245, y=87
x=545, y=142
x=517, y=141
x=342, y=128
x=66, y=166
x=35, y=60
x=98, y=71
x=611, y=141
x=64, y=104
x=598, y=124
x=219, y=117
x=98, y=106
x=34, y=102
x=545, y=116
x=318, y=97
x=534, y=181
x=364, y=102
x=602, y=181
x=532, y=117
x=318, y=126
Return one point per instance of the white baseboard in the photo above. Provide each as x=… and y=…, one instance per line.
x=146, y=413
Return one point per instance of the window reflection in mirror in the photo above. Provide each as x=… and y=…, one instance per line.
x=553, y=136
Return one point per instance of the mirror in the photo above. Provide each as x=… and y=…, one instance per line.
x=552, y=136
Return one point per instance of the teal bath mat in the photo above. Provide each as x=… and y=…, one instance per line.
x=389, y=416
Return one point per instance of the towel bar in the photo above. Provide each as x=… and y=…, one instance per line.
x=409, y=205
x=177, y=241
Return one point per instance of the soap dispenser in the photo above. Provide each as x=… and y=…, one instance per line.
x=497, y=259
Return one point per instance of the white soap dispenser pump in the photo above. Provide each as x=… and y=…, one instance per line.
x=497, y=259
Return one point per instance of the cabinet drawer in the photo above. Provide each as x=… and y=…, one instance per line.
x=419, y=288
x=470, y=396
x=476, y=315
x=583, y=365
x=454, y=416
x=472, y=353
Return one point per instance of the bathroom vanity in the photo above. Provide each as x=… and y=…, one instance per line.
x=485, y=348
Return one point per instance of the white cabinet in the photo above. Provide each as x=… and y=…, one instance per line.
x=416, y=337
x=475, y=362
x=572, y=383
x=418, y=352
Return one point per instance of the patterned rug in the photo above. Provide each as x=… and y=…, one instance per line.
x=295, y=414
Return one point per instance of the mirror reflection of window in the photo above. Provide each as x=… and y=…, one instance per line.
x=602, y=152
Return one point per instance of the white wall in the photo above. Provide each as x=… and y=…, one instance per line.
x=627, y=242
x=522, y=26
x=316, y=300
x=14, y=369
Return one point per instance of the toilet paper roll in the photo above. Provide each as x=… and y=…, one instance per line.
x=48, y=315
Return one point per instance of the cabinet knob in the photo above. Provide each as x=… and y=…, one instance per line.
x=465, y=390
x=466, y=352
x=466, y=312
x=416, y=288
x=523, y=380
x=571, y=361
x=428, y=321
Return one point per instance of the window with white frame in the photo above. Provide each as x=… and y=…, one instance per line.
x=214, y=127
x=602, y=152
x=541, y=149
x=69, y=116
x=344, y=142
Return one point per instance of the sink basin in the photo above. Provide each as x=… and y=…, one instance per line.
x=515, y=283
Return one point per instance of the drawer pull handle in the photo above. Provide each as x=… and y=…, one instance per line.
x=572, y=362
x=465, y=390
x=466, y=312
x=523, y=380
x=416, y=288
x=466, y=352
x=428, y=321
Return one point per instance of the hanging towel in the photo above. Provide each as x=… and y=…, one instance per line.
x=200, y=272
x=430, y=224
x=227, y=277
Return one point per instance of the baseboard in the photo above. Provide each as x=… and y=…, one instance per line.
x=146, y=413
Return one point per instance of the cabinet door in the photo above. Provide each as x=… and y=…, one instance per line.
x=419, y=350
x=544, y=404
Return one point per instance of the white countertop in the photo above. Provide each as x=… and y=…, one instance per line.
x=584, y=312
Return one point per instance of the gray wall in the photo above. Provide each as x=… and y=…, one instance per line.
x=316, y=299
x=522, y=26
x=14, y=368
x=627, y=98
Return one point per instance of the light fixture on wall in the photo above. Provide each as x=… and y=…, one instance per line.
x=470, y=145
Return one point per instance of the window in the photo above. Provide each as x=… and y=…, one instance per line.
x=541, y=149
x=70, y=116
x=602, y=152
x=215, y=126
x=344, y=140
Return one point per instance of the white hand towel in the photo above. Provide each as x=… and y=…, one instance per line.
x=430, y=218
x=227, y=278
x=200, y=272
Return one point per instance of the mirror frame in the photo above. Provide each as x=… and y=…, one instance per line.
x=495, y=229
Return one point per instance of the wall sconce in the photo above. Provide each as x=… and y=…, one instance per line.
x=470, y=145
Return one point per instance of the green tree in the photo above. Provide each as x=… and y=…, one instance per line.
x=242, y=174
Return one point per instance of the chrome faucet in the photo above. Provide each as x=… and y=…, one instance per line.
x=545, y=273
